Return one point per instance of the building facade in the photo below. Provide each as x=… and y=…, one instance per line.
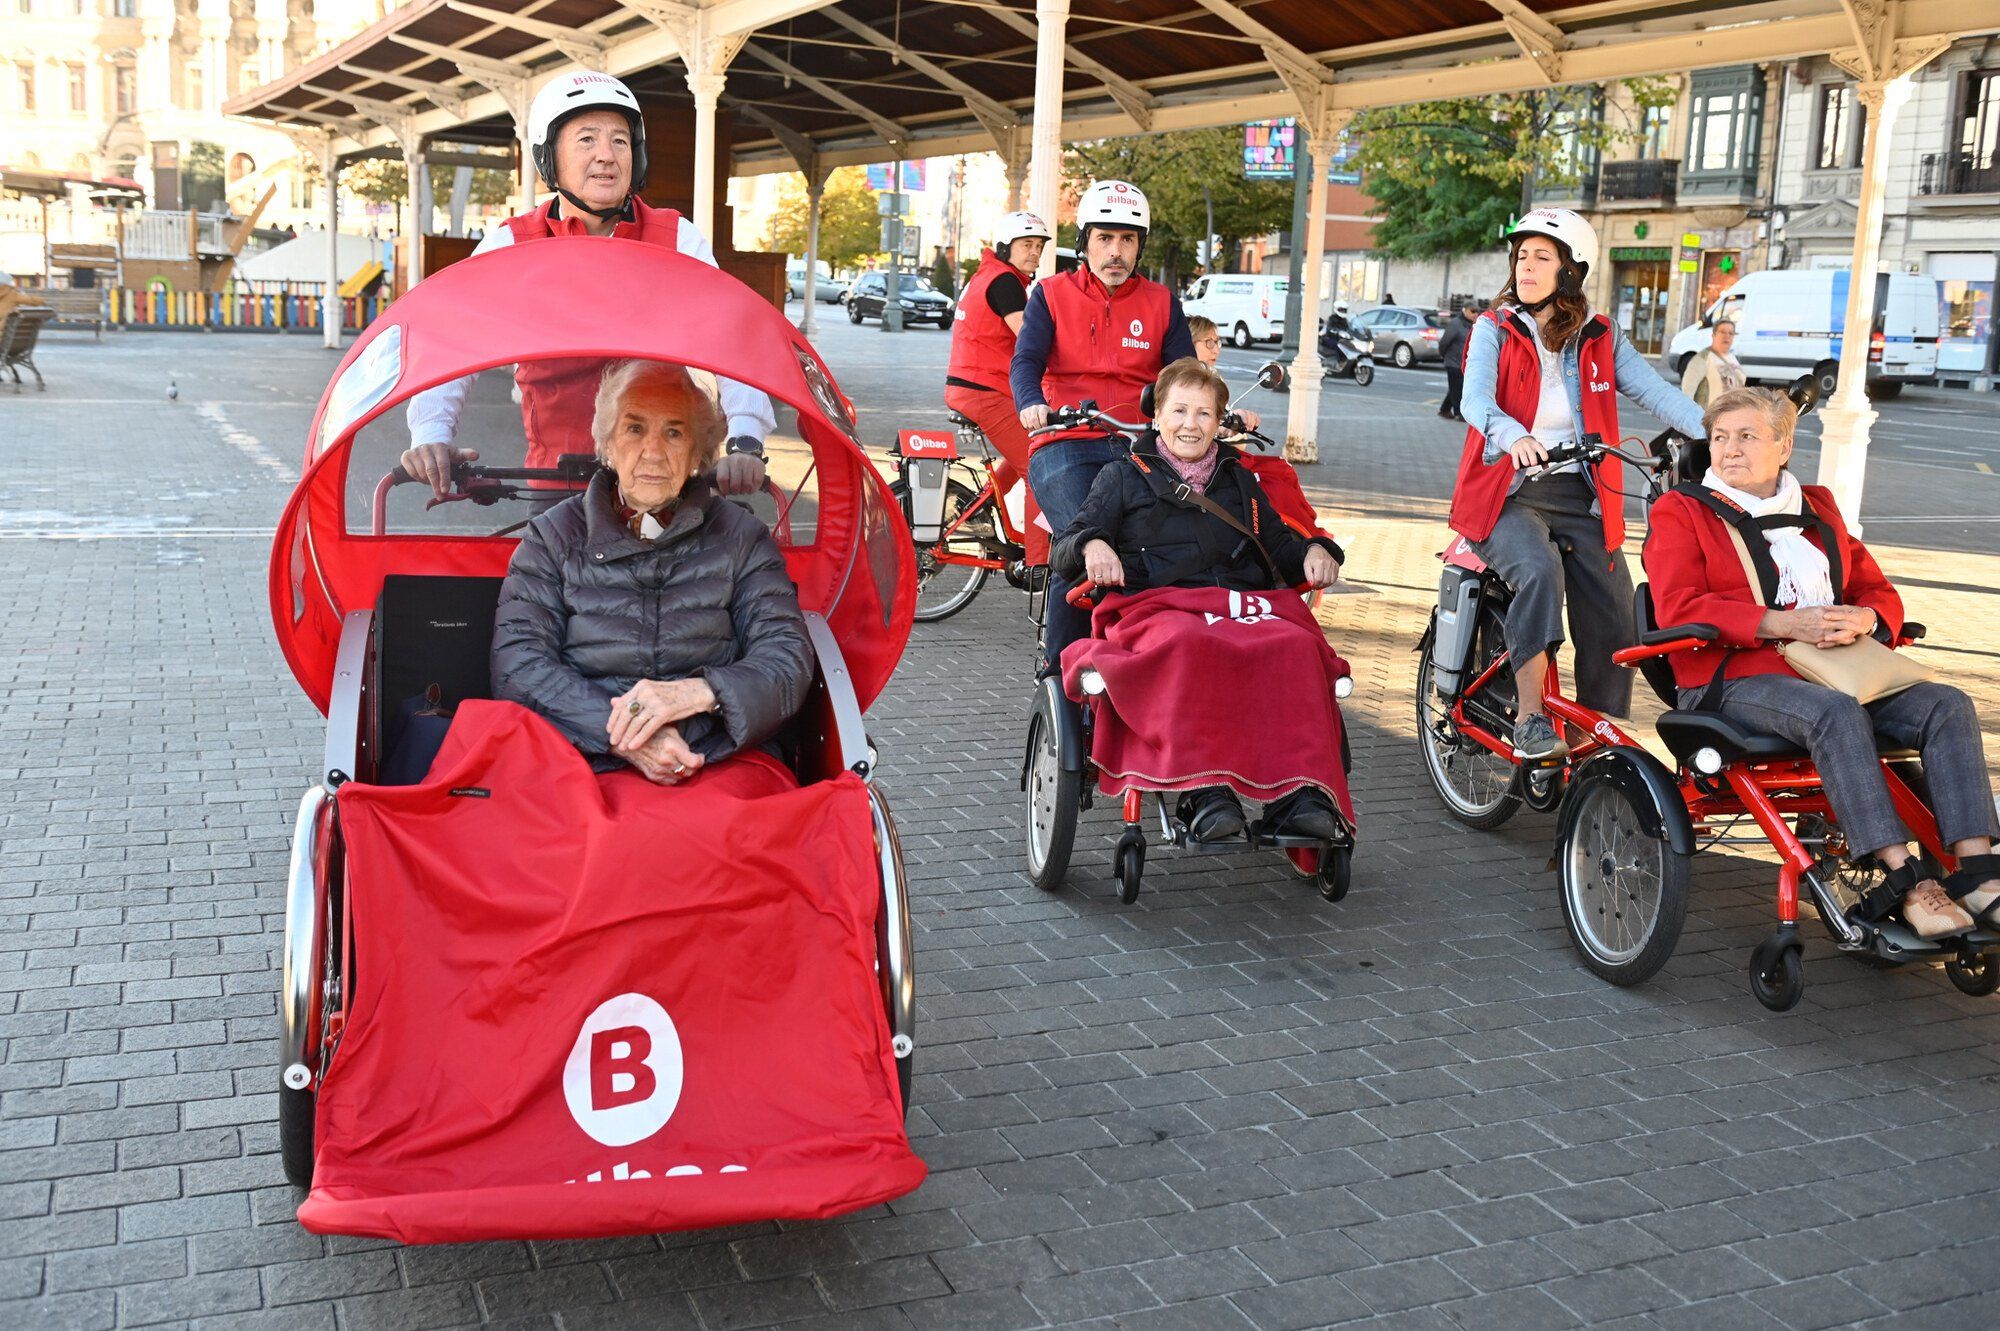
x=1942, y=208
x=123, y=89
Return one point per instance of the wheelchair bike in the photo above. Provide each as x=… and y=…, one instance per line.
x=1628, y=825
x=1060, y=780
x=375, y=602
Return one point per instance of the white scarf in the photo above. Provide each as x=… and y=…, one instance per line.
x=1804, y=578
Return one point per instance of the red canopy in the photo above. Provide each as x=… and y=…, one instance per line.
x=566, y=297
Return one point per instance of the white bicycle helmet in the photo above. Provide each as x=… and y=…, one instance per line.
x=567, y=95
x=1114, y=203
x=1020, y=226
x=1564, y=227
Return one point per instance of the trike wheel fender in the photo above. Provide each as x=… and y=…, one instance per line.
x=1655, y=795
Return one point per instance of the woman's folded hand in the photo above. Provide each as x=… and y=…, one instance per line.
x=640, y=711
x=1322, y=569
x=1102, y=565
x=1819, y=625
x=664, y=759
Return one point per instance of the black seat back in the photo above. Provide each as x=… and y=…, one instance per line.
x=429, y=630
x=1658, y=670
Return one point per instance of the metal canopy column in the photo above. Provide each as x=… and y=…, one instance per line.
x=1882, y=65
x=815, y=197
x=329, y=175
x=1045, y=160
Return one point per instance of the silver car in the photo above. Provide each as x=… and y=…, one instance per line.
x=1403, y=334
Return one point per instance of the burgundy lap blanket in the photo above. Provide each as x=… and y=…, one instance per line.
x=591, y=1005
x=1206, y=687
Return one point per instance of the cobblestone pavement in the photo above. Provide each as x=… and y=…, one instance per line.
x=1231, y=1104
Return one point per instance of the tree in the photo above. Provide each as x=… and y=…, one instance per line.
x=202, y=187
x=850, y=230
x=377, y=180
x=1175, y=169
x=1448, y=175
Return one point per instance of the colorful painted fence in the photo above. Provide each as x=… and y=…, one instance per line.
x=262, y=306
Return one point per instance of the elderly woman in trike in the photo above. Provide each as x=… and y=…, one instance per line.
x=1819, y=587
x=1205, y=674
x=649, y=621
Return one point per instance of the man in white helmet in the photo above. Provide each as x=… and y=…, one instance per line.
x=1100, y=332
x=588, y=141
x=982, y=346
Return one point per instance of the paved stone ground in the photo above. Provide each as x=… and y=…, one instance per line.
x=1229, y=1105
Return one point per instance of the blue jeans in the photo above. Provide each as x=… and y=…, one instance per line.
x=1060, y=475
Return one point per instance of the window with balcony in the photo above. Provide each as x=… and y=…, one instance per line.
x=1725, y=123
x=124, y=8
x=193, y=88
x=24, y=83
x=79, y=100
x=1837, y=140
x=125, y=89
x=1971, y=165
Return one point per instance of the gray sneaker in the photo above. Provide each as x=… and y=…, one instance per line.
x=1536, y=741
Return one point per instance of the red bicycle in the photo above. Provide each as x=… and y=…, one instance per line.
x=952, y=489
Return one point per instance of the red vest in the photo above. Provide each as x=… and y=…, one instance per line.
x=558, y=396
x=982, y=345
x=1481, y=491
x=1108, y=345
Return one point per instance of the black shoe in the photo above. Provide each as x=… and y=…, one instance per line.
x=1306, y=812
x=1536, y=741
x=1212, y=813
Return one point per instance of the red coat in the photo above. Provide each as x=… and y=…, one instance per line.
x=1697, y=578
x=558, y=396
x=982, y=345
x=1481, y=490
x=1110, y=342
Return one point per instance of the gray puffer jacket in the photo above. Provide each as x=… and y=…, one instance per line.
x=589, y=609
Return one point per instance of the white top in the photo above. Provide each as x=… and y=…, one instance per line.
x=433, y=415
x=1554, y=422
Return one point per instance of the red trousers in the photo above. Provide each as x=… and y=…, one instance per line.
x=994, y=413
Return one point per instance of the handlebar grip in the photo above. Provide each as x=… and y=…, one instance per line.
x=1083, y=595
x=399, y=476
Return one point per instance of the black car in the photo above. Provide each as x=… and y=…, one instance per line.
x=922, y=302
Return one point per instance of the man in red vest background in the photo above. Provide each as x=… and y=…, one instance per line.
x=982, y=349
x=589, y=145
x=1100, y=332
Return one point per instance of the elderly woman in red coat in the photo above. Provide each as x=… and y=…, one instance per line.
x=1830, y=592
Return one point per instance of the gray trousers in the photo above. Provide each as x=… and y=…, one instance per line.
x=1935, y=719
x=1523, y=550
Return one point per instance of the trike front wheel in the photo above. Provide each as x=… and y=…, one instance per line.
x=1624, y=890
x=1055, y=796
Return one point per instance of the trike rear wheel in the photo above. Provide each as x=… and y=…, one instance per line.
x=1624, y=890
x=944, y=588
x=1476, y=784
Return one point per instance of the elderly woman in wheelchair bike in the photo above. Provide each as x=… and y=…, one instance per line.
x=650, y=621
x=1182, y=511
x=1701, y=555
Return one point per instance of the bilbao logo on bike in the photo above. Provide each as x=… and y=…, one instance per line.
x=623, y=1076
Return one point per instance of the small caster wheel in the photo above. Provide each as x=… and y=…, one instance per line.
x=1974, y=973
x=1131, y=865
x=1778, y=975
x=1336, y=867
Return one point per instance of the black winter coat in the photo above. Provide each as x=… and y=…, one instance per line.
x=1166, y=541
x=589, y=609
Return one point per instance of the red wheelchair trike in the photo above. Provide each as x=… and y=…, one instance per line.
x=381, y=596
x=1628, y=824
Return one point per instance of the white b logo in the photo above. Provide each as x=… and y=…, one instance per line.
x=1137, y=328
x=623, y=1077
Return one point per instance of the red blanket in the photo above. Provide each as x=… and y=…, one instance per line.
x=1205, y=687
x=590, y=1005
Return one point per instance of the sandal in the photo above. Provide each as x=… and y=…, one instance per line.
x=1212, y=813
x=1976, y=889
x=1923, y=904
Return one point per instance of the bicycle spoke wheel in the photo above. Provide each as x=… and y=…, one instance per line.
x=945, y=587
x=1476, y=784
x=1624, y=891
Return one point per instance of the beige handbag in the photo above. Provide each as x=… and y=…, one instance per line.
x=1864, y=669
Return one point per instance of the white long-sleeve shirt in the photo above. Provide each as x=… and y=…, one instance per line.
x=433, y=415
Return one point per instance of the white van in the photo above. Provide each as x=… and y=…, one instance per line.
x=1246, y=307
x=1789, y=323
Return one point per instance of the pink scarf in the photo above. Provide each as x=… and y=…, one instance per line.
x=1198, y=473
